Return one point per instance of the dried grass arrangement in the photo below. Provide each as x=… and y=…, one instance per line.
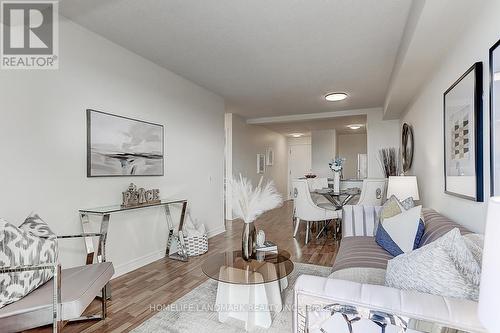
x=390, y=161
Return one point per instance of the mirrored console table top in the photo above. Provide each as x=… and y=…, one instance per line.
x=118, y=208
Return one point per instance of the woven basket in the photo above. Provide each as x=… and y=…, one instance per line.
x=196, y=245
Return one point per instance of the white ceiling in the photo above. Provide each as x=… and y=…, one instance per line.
x=305, y=127
x=266, y=58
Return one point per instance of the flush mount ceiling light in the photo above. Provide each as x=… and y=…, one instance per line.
x=355, y=126
x=296, y=135
x=336, y=96
x=496, y=76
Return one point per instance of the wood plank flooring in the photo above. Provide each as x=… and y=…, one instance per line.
x=164, y=281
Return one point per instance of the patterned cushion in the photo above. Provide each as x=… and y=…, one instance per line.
x=445, y=267
x=437, y=225
x=401, y=233
x=360, y=251
x=23, y=245
x=391, y=208
x=408, y=203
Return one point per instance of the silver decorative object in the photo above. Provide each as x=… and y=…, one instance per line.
x=261, y=238
x=249, y=241
x=136, y=197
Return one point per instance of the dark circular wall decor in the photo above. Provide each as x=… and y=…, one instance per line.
x=407, y=147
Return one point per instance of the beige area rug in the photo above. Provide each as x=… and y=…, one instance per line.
x=193, y=312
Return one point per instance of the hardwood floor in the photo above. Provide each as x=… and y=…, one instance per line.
x=164, y=281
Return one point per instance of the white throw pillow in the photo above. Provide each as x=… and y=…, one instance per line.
x=401, y=233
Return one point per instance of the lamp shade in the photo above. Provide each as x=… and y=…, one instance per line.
x=489, y=293
x=403, y=187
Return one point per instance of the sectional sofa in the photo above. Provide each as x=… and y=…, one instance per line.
x=354, y=299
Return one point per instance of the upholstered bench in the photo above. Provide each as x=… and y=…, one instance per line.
x=79, y=287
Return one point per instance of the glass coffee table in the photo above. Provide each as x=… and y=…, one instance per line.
x=249, y=290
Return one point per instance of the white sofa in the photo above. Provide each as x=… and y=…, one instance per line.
x=353, y=298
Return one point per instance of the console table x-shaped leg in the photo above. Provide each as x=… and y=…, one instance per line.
x=176, y=248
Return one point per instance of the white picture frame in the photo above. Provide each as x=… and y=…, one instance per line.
x=261, y=163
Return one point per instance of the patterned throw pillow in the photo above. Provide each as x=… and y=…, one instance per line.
x=391, y=208
x=408, y=203
x=32, y=243
x=445, y=267
x=401, y=233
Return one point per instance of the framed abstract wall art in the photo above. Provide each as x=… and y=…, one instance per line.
x=463, y=136
x=120, y=146
x=270, y=156
x=261, y=163
x=495, y=119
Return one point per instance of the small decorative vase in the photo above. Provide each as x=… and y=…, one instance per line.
x=261, y=238
x=336, y=182
x=249, y=241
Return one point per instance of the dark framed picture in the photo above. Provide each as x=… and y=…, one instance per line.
x=495, y=119
x=119, y=146
x=463, y=136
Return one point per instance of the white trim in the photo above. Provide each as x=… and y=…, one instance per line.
x=138, y=263
x=228, y=166
x=147, y=259
x=309, y=116
x=216, y=231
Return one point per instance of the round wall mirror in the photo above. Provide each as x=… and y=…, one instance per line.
x=407, y=147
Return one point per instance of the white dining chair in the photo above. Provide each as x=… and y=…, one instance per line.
x=315, y=184
x=306, y=210
x=373, y=192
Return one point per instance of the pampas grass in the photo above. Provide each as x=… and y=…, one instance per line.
x=249, y=203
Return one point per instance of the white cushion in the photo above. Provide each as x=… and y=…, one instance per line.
x=403, y=228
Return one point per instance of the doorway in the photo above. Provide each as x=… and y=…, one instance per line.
x=299, y=162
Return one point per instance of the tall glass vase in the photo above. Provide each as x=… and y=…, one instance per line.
x=249, y=241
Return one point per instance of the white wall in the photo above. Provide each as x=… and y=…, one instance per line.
x=250, y=140
x=379, y=134
x=425, y=114
x=323, y=148
x=43, y=145
x=348, y=147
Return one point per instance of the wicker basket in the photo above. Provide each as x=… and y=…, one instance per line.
x=196, y=245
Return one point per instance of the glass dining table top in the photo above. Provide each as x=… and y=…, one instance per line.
x=230, y=267
x=330, y=191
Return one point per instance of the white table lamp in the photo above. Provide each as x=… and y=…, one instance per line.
x=489, y=294
x=403, y=187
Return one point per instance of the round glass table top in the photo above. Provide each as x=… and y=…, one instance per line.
x=230, y=267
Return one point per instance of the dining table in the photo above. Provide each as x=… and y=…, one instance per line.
x=338, y=200
x=341, y=198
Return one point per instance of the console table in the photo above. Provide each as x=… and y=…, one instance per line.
x=176, y=248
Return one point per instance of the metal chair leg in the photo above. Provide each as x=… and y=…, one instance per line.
x=297, y=222
x=104, y=303
x=308, y=230
x=324, y=229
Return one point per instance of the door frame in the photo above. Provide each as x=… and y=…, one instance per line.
x=289, y=171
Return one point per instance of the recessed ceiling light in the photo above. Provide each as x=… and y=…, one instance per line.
x=336, y=96
x=296, y=135
x=496, y=76
x=355, y=126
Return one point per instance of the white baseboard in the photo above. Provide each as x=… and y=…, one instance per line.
x=216, y=231
x=151, y=257
x=138, y=263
